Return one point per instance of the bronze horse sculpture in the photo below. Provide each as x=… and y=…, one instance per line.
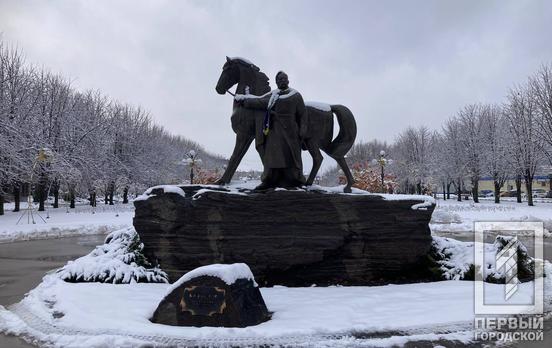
x=251, y=80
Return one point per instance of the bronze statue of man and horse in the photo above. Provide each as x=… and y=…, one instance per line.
x=249, y=118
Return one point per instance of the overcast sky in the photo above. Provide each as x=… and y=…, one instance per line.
x=393, y=63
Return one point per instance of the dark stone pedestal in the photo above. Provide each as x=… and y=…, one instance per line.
x=293, y=238
x=209, y=301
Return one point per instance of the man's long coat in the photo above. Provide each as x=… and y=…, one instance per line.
x=281, y=147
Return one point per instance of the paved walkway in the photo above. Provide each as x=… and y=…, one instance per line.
x=23, y=264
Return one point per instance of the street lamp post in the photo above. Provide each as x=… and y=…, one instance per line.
x=192, y=160
x=382, y=162
x=44, y=156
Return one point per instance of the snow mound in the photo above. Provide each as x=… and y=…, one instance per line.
x=456, y=259
x=166, y=188
x=118, y=261
x=229, y=273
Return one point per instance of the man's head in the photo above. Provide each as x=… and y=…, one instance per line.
x=282, y=80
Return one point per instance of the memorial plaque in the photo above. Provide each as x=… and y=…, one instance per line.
x=208, y=300
x=203, y=300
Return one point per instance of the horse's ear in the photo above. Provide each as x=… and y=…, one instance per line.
x=228, y=59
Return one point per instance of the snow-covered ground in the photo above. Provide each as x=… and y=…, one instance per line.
x=93, y=314
x=61, y=314
x=64, y=222
x=451, y=216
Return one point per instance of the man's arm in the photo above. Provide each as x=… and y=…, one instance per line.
x=257, y=103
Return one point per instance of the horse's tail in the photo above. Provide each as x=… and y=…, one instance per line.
x=347, y=132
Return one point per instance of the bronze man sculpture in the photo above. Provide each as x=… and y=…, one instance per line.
x=319, y=121
x=279, y=136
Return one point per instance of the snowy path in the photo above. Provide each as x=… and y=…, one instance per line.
x=23, y=265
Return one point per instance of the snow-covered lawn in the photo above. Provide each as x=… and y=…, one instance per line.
x=61, y=314
x=458, y=217
x=93, y=314
x=59, y=223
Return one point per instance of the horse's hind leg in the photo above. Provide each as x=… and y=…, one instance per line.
x=317, y=159
x=242, y=144
x=345, y=168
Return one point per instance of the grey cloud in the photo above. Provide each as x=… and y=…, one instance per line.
x=394, y=63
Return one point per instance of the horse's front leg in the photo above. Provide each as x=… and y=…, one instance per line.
x=242, y=145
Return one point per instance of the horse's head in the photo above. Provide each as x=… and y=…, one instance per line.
x=245, y=74
x=229, y=77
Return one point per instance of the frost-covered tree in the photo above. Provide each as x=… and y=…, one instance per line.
x=471, y=118
x=87, y=133
x=16, y=103
x=526, y=144
x=540, y=88
x=454, y=156
x=441, y=170
x=412, y=154
x=495, y=147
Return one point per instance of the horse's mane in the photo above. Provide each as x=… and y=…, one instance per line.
x=261, y=80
